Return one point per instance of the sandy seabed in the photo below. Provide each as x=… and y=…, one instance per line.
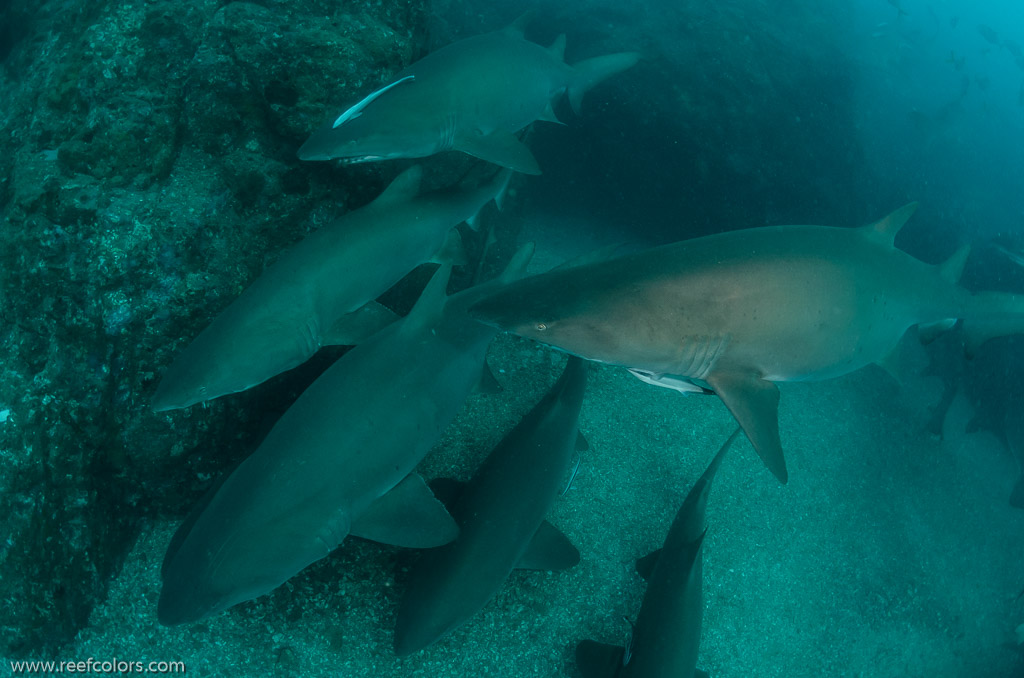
x=889, y=553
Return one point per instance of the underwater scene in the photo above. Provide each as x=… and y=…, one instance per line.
x=591, y=339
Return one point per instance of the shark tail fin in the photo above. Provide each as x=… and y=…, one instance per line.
x=590, y=72
x=598, y=660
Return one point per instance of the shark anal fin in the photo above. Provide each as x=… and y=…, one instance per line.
x=500, y=148
x=645, y=566
x=598, y=660
x=359, y=325
x=408, y=515
x=755, y=404
x=549, y=550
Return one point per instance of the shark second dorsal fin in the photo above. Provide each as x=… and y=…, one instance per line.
x=887, y=227
x=402, y=188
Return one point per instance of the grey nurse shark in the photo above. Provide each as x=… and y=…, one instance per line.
x=322, y=290
x=738, y=311
x=500, y=513
x=470, y=96
x=338, y=462
x=666, y=635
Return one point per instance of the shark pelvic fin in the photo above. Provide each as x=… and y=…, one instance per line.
x=890, y=225
x=549, y=549
x=357, y=110
x=500, y=148
x=755, y=404
x=408, y=515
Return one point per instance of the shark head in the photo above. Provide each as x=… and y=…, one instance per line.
x=555, y=308
x=377, y=128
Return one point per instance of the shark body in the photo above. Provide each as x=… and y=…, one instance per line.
x=470, y=96
x=741, y=310
x=322, y=290
x=338, y=462
x=500, y=514
x=666, y=636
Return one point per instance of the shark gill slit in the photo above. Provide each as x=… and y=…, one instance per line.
x=448, y=132
x=700, y=354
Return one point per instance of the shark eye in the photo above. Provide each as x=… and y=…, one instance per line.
x=541, y=326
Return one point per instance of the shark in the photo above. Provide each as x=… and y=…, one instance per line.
x=666, y=636
x=500, y=513
x=738, y=311
x=472, y=96
x=338, y=462
x=321, y=291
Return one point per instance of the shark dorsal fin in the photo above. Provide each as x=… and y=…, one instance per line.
x=951, y=269
x=557, y=48
x=403, y=188
x=431, y=302
x=357, y=110
x=518, y=27
x=887, y=227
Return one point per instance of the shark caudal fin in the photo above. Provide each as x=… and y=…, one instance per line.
x=590, y=72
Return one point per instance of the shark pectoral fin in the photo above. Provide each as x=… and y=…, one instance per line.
x=755, y=404
x=447, y=490
x=645, y=565
x=598, y=660
x=451, y=252
x=549, y=550
x=500, y=148
x=359, y=325
x=408, y=515
x=488, y=383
